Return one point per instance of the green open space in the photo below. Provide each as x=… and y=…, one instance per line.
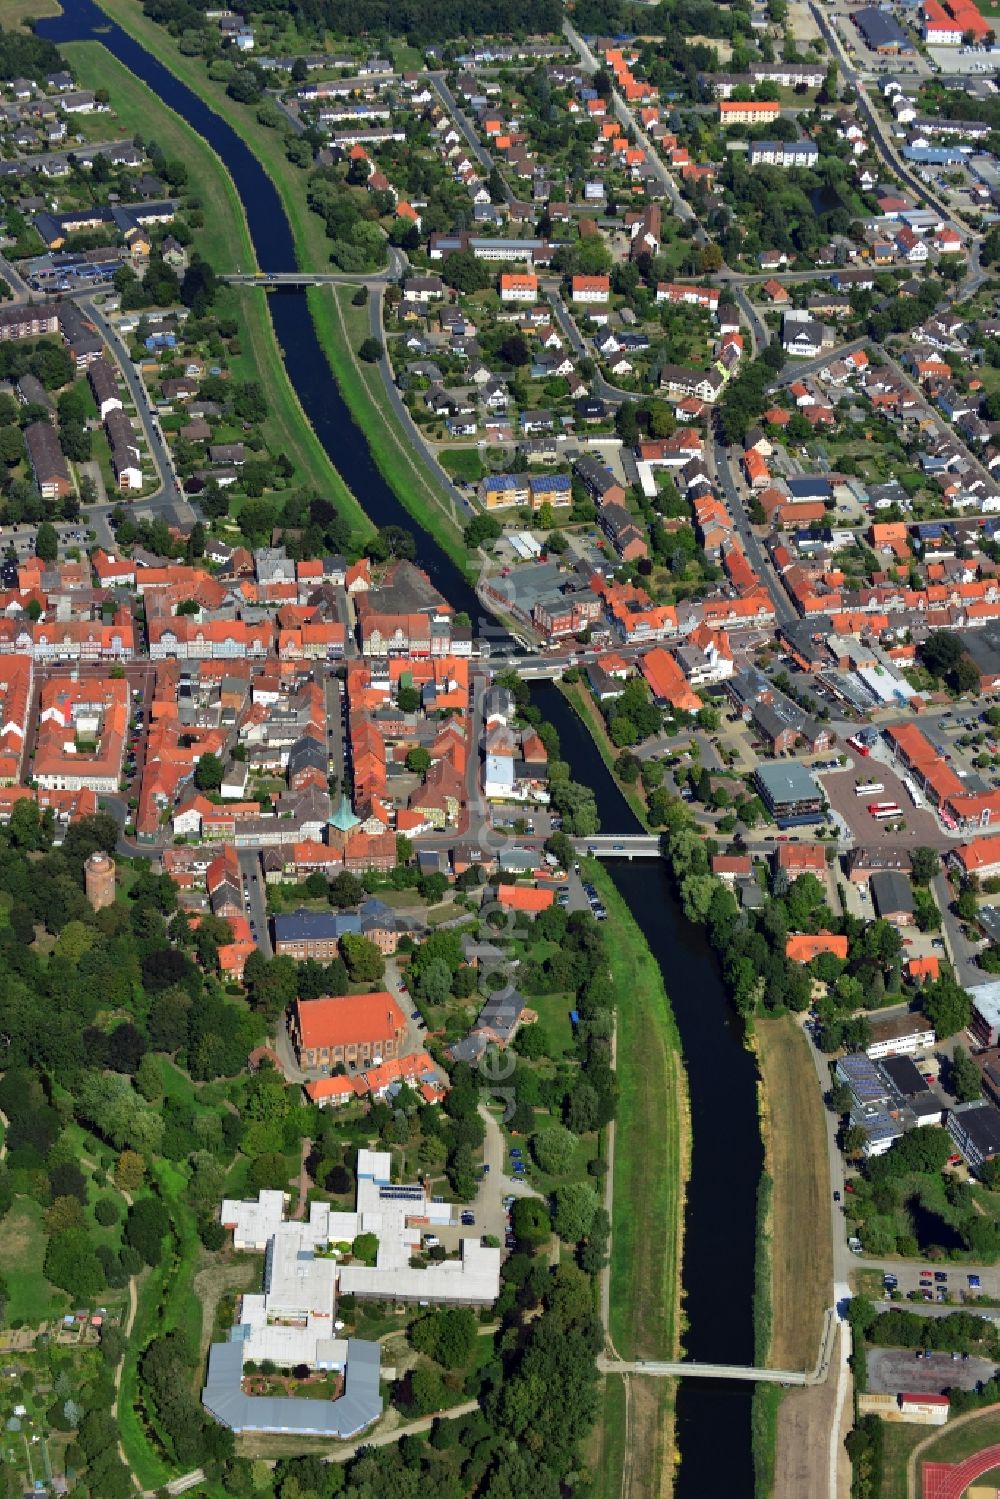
x=32, y=1298
x=225, y=241
x=463, y=464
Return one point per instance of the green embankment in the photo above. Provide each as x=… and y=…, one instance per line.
x=652, y=1147
x=766, y=1397
x=428, y=503
x=225, y=241
x=166, y=1301
x=651, y=1166
x=583, y=705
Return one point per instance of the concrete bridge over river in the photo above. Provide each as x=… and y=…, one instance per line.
x=620, y=845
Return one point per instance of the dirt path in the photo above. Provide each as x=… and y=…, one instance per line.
x=413, y=1428
x=304, y=1182
x=802, y=1458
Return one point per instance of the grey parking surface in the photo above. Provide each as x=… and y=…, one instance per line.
x=893, y=1371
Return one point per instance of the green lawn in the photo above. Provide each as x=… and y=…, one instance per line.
x=463, y=464
x=225, y=241
x=33, y=1299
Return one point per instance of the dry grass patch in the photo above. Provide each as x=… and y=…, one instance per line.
x=795, y=1141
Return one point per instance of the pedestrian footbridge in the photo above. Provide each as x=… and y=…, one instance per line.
x=688, y=1369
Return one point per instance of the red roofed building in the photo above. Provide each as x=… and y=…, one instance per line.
x=667, y=681
x=525, y=898
x=592, y=290
x=353, y=1029
x=802, y=947
x=802, y=858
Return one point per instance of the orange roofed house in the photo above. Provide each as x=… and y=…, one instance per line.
x=802, y=947
x=353, y=1029
x=524, y=898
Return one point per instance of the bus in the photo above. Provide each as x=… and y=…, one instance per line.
x=912, y=792
x=883, y=810
x=868, y=788
x=860, y=746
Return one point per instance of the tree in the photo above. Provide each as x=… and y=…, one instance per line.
x=448, y=1337
x=418, y=760
x=574, y=1206
x=365, y=1248
x=147, y=1224
x=47, y=542
x=924, y=865
x=346, y=890
x=530, y=1220
x=208, y=773
x=966, y=1079
x=553, y=1148
x=70, y=1262
x=365, y=963
x=941, y=652
x=130, y=1168
x=370, y=350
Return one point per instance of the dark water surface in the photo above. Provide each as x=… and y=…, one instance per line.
x=713, y=1420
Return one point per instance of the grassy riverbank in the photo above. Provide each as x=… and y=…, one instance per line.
x=429, y=503
x=651, y=1166
x=225, y=241
x=341, y=328
x=794, y=1255
x=583, y=705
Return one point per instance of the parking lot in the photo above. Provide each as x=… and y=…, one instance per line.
x=840, y=789
x=954, y=1288
x=895, y=1370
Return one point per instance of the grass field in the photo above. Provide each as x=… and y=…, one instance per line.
x=341, y=327
x=23, y=1240
x=15, y=13
x=795, y=1135
x=225, y=241
x=651, y=1144
x=463, y=464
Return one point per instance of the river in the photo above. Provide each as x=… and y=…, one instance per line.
x=726, y=1156
x=713, y=1420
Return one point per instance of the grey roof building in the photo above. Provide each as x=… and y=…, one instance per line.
x=892, y=896
x=357, y=1407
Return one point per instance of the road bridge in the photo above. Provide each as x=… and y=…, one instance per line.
x=301, y=278
x=620, y=845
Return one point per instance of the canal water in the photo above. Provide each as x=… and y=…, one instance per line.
x=713, y=1419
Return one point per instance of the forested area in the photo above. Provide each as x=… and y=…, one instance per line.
x=420, y=21
x=23, y=55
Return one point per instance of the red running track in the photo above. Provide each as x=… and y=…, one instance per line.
x=950, y=1480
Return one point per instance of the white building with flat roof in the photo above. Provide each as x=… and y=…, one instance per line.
x=304, y=1271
